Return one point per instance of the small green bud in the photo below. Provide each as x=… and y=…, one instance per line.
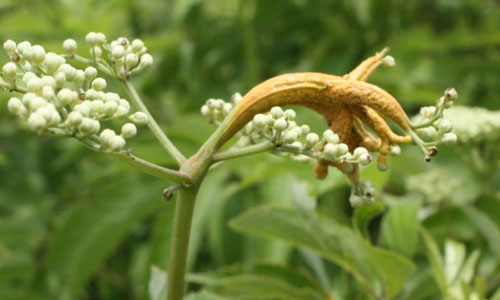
x=382, y=166
x=69, y=46
x=128, y=130
x=9, y=70
x=139, y=118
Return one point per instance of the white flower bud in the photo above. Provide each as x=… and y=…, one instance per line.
x=330, y=151
x=137, y=45
x=358, y=152
x=342, y=149
x=9, y=70
x=99, y=84
x=106, y=136
x=259, y=121
x=100, y=38
x=48, y=92
x=236, y=97
x=53, y=62
x=117, y=52
x=124, y=103
x=27, y=76
x=355, y=200
x=23, y=46
x=389, y=61
x=97, y=106
x=290, y=114
x=110, y=108
x=330, y=137
x=364, y=159
x=84, y=108
x=121, y=111
x=89, y=126
x=450, y=94
x=227, y=108
x=311, y=139
x=91, y=94
x=16, y=106
x=37, y=55
x=128, y=131
x=90, y=73
x=116, y=143
x=9, y=46
x=277, y=112
x=449, y=138
x=112, y=97
x=50, y=114
x=27, y=98
x=445, y=126
x=139, y=118
x=305, y=129
x=297, y=130
x=34, y=85
x=74, y=118
x=60, y=79
x=49, y=81
x=146, y=61
x=280, y=124
x=395, y=150
x=69, y=46
x=79, y=77
x=205, y=111
x=37, y=122
x=289, y=137
x=427, y=111
x=91, y=38
x=68, y=70
x=131, y=60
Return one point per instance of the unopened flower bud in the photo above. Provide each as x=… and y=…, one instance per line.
x=34, y=85
x=445, y=125
x=428, y=111
x=364, y=159
x=450, y=94
x=9, y=70
x=90, y=73
x=37, y=54
x=330, y=137
x=49, y=81
x=146, y=61
x=36, y=103
x=106, y=136
x=449, y=138
x=343, y=149
x=53, y=62
x=74, y=118
x=290, y=114
x=227, y=108
x=16, y=106
x=358, y=152
x=23, y=46
x=289, y=137
x=117, y=52
x=259, y=121
x=9, y=46
x=389, y=61
x=66, y=96
x=236, y=97
x=60, y=79
x=99, y=84
x=277, y=112
x=110, y=108
x=48, y=92
x=37, y=122
x=131, y=60
x=69, y=46
x=137, y=45
x=395, y=150
x=139, y=118
x=100, y=38
x=280, y=124
x=355, y=200
x=89, y=126
x=330, y=151
x=311, y=139
x=116, y=143
x=128, y=130
x=91, y=38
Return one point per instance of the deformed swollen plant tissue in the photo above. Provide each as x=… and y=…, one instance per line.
x=53, y=97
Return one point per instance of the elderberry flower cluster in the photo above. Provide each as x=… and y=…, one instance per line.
x=436, y=185
x=431, y=124
x=59, y=99
x=474, y=125
x=215, y=110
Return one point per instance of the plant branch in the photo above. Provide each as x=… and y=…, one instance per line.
x=234, y=153
x=153, y=169
x=99, y=66
x=152, y=124
x=184, y=207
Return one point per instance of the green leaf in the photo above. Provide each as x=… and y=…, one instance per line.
x=331, y=240
x=436, y=261
x=157, y=286
x=486, y=227
x=400, y=227
x=203, y=295
x=91, y=231
x=454, y=256
x=364, y=214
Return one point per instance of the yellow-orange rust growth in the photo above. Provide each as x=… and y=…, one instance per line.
x=345, y=102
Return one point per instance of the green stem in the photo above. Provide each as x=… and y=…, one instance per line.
x=153, y=125
x=234, y=153
x=180, y=240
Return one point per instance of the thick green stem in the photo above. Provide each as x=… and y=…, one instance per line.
x=180, y=240
x=155, y=128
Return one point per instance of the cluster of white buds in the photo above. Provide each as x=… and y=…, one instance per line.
x=474, y=125
x=215, y=110
x=436, y=185
x=431, y=124
x=62, y=100
x=362, y=193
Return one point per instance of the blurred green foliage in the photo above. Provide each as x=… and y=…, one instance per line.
x=76, y=225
